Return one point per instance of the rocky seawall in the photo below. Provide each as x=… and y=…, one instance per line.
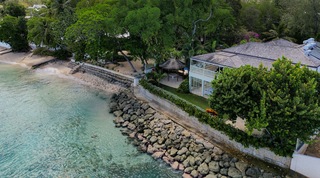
x=156, y=134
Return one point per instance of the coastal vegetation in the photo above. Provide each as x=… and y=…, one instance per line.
x=283, y=102
x=100, y=30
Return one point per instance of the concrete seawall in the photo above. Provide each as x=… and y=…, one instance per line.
x=106, y=74
x=182, y=118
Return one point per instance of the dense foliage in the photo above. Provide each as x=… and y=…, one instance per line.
x=184, y=86
x=283, y=101
x=13, y=29
x=93, y=29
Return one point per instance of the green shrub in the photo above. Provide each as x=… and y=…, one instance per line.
x=62, y=54
x=184, y=86
x=42, y=51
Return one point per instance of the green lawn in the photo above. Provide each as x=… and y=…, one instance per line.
x=194, y=99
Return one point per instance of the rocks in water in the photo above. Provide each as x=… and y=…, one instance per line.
x=131, y=126
x=113, y=107
x=175, y=165
x=118, y=120
x=132, y=135
x=185, y=175
x=157, y=135
x=151, y=149
x=117, y=113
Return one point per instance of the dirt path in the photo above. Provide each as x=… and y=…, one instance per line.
x=314, y=148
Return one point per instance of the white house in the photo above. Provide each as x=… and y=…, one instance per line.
x=204, y=67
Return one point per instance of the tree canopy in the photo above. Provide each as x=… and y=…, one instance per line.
x=283, y=101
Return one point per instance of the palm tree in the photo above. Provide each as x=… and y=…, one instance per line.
x=278, y=32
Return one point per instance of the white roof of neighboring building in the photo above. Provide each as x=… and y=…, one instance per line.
x=254, y=54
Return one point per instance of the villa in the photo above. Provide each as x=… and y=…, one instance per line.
x=204, y=67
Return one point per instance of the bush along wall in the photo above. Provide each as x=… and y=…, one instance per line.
x=216, y=122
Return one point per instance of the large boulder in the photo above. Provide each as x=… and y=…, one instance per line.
x=126, y=117
x=186, y=133
x=117, y=113
x=118, y=120
x=217, y=151
x=153, y=139
x=203, y=169
x=150, y=111
x=175, y=165
x=188, y=169
x=185, y=175
x=194, y=173
x=173, y=151
x=191, y=161
x=234, y=173
x=211, y=176
x=113, y=107
x=147, y=132
x=214, y=166
x=151, y=149
x=182, y=151
x=224, y=171
x=131, y=126
x=145, y=106
x=158, y=154
x=241, y=166
x=253, y=172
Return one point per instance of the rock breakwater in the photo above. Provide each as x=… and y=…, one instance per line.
x=156, y=134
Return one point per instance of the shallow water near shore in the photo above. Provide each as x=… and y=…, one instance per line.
x=54, y=127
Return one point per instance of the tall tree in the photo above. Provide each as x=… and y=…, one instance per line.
x=13, y=30
x=283, y=100
x=40, y=31
x=14, y=9
x=302, y=17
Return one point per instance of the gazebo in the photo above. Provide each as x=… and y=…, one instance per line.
x=172, y=66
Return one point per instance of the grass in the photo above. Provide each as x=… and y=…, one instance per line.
x=194, y=99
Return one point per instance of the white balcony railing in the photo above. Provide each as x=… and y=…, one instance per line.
x=202, y=71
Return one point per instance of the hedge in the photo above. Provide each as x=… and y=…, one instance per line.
x=216, y=122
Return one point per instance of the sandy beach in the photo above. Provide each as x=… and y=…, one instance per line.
x=59, y=68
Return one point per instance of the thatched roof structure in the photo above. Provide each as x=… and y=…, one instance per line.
x=172, y=64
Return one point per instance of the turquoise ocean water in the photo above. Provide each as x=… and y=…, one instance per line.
x=55, y=127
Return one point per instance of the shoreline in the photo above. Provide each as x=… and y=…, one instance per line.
x=157, y=134
x=60, y=68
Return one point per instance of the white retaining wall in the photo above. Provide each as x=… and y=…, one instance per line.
x=306, y=165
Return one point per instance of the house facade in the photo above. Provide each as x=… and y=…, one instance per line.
x=203, y=68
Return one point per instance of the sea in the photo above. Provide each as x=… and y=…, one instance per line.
x=52, y=126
